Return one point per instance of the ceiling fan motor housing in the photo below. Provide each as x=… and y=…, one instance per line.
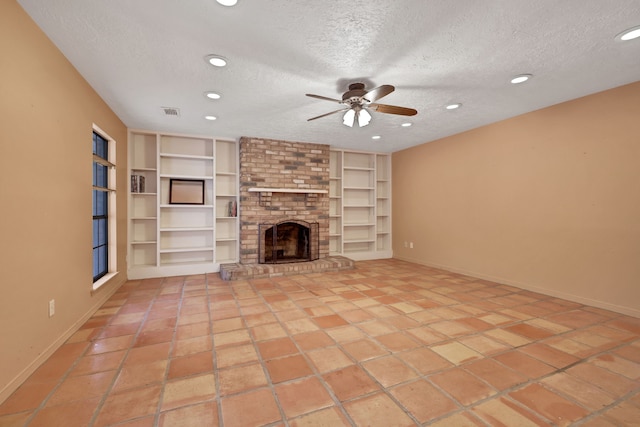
x=354, y=96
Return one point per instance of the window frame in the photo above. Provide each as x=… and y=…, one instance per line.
x=111, y=190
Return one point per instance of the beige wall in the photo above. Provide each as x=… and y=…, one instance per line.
x=46, y=116
x=548, y=201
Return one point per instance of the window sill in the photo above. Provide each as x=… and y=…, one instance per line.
x=103, y=280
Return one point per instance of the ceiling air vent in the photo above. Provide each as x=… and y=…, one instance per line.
x=170, y=111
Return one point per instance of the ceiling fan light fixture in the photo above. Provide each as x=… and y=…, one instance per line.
x=363, y=117
x=521, y=78
x=212, y=95
x=629, y=34
x=453, y=106
x=349, y=117
x=227, y=2
x=216, y=60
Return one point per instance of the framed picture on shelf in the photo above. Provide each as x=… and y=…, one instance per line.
x=186, y=191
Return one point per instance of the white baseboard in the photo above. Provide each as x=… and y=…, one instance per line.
x=367, y=256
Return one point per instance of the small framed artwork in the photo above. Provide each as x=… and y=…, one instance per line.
x=186, y=191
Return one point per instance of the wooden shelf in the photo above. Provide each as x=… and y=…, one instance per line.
x=178, y=229
x=174, y=176
x=187, y=206
x=180, y=250
x=348, y=168
x=185, y=156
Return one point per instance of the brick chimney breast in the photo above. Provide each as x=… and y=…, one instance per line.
x=274, y=164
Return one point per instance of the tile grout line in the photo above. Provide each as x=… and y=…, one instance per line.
x=263, y=362
x=356, y=363
x=214, y=356
x=269, y=386
x=505, y=393
x=386, y=390
x=172, y=345
x=118, y=370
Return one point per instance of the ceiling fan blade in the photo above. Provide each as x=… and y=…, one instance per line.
x=323, y=97
x=392, y=109
x=376, y=93
x=328, y=114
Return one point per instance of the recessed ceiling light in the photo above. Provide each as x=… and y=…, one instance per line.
x=630, y=34
x=376, y=137
x=227, y=2
x=521, y=78
x=216, y=60
x=406, y=125
x=453, y=106
x=210, y=118
x=212, y=95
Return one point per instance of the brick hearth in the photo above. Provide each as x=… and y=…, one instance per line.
x=258, y=271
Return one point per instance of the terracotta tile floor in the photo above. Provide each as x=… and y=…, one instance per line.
x=388, y=344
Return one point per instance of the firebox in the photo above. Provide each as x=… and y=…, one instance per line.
x=288, y=241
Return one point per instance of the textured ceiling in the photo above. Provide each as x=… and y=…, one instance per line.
x=141, y=55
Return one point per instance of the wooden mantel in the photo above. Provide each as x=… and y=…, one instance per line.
x=287, y=190
x=264, y=194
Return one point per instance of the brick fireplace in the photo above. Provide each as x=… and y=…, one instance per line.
x=282, y=181
x=295, y=170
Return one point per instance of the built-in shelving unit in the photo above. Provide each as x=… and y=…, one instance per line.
x=186, y=231
x=143, y=206
x=360, y=205
x=168, y=238
x=383, y=203
x=335, y=202
x=227, y=243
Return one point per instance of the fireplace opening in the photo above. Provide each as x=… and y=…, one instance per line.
x=288, y=241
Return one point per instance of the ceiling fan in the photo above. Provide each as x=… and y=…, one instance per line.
x=357, y=101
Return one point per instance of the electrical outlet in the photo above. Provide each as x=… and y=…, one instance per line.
x=411, y=245
x=52, y=307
